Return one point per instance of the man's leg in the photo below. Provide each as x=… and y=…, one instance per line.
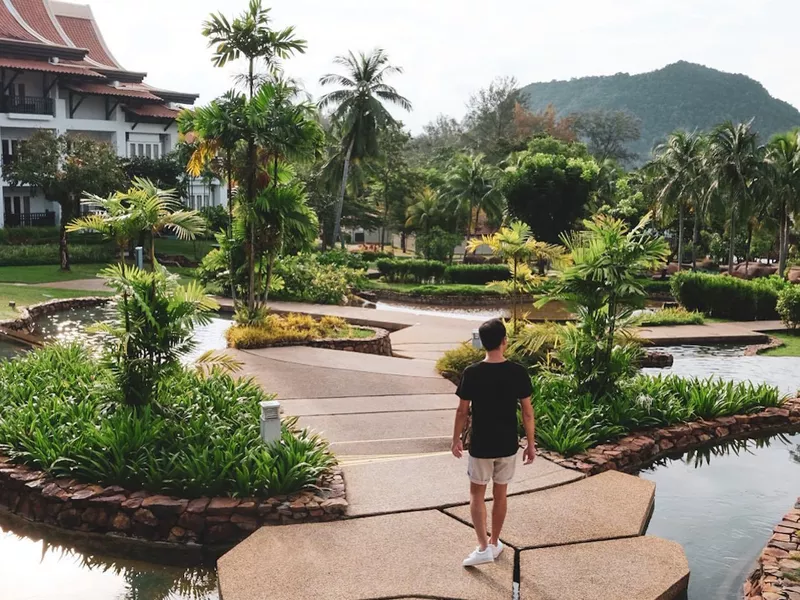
x=477, y=507
x=499, y=510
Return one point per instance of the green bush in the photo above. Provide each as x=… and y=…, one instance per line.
x=658, y=286
x=369, y=256
x=416, y=271
x=476, y=274
x=342, y=258
x=789, y=306
x=670, y=316
x=437, y=244
x=62, y=413
x=14, y=236
x=303, y=278
x=726, y=297
x=452, y=290
x=48, y=254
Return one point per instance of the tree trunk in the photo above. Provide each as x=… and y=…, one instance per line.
x=732, y=234
x=747, y=249
x=695, y=238
x=783, y=234
x=786, y=240
x=152, y=251
x=251, y=268
x=270, y=268
x=67, y=210
x=337, y=217
x=680, y=236
x=231, y=266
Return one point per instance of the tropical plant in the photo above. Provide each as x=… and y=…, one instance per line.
x=359, y=110
x=471, y=189
x=516, y=245
x=783, y=158
x=426, y=211
x=152, y=328
x=789, y=306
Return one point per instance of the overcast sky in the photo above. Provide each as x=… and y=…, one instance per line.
x=450, y=48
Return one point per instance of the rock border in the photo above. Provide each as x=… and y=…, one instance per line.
x=757, y=349
x=641, y=449
x=380, y=344
x=144, y=516
x=29, y=314
x=777, y=574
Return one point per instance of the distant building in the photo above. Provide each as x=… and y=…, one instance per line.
x=56, y=72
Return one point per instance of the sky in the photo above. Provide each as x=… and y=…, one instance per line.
x=451, y=48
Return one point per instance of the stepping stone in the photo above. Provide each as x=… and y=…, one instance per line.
x=606, y=506
x=433, y=482
x=410, y=555
x=642, y=568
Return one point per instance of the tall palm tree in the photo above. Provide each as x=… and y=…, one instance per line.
x=678, y=175
x=426, y=212
x=734, y=164
x=471, y=186
x=250, y=36
x=359, y=109
x=783, y=158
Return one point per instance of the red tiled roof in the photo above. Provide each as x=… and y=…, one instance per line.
x=46, y=67
x=102, y=89
x=158, y=111
x=83, y=34
x=10, y=28
x=36, y=15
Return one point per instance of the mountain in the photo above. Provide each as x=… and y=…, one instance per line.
x=681, y=95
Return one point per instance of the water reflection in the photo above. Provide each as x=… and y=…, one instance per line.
x=34, y=569
x=721, y=504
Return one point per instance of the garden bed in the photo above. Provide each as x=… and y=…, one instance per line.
x=777, y=575
x=640, y=449
x=144, y=516
x=418, y=296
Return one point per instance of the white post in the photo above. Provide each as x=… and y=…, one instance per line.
x=139, y=253
x=476, y=340
x=271, y=421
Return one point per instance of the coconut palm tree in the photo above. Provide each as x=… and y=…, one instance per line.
x=783, y=158
x=112, y=220
x=471, y=186
x=251, y=37
x=427, y=211
x=359, y=110
x=733, y=164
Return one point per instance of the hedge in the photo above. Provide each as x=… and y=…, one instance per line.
x=476, y=274
x=15, y=236
x=726, y=297
x=48, y=254
x=417, y=271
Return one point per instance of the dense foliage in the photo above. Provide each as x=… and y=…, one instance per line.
x=272, y=330
x=681, y=95
x=303, y=278
x=415, y=271
x=669, y=316
x=62, y=413
x=48, y=254
x=476, y=274
x=728, y=297
x=788, y=306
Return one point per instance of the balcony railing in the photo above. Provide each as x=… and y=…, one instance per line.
x=41, y=219
x=27, y=105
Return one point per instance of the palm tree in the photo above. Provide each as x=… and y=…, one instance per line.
x=678, y=176
x=783, y=158
x=426, y=212
x=250, y=36
x=112, y=220
x=471, y=186
x=733, y=164
x=359, y=110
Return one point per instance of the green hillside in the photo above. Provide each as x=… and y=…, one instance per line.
x=681, y=95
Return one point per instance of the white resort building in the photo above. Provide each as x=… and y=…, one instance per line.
x=56, y=72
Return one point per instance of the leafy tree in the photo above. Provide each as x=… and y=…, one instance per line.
x=428, y=210
x=167, y=172
x=490, y=126
x=64, y=167
x=440, y=141
x=546, y=123
x=607, y=133
x=359, y=110
x=783, y=156
x=471, y=188
x=549, y=192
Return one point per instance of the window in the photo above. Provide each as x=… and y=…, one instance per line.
x=132, y=151
x=156, y=151
x=149, y=150
x=18, y=90
x=10, y=149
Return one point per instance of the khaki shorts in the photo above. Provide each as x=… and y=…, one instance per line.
x=499, y=470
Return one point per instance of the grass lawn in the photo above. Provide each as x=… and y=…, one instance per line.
x=791, y=344
x=48, y=273
x=25, y=296
x=193, y=250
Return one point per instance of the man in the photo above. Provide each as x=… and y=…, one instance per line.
x=495, y=388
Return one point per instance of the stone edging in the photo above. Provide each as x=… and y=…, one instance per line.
x=759, y=348
x=777, y=574
x=29, y=314
x=144, y=516
x=380, y=344
x=640, y=449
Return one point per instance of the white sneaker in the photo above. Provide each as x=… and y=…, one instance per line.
x=479, y=558
x=498, y=549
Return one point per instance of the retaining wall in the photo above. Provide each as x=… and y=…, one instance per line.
x=777, y=576
x=28, y=315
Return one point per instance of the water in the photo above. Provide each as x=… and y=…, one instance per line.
x=476, y=313
x=721, y=506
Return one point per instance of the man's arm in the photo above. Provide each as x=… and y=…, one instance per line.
x=461, y=421
x=529, y=422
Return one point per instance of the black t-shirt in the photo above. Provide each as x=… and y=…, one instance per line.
x=494, y=389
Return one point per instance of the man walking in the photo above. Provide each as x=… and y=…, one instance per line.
x=495, y=388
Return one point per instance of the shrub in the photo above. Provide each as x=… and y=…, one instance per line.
x=275, y=330
x=29, y=236
x=216, y=218
x=417, y=271
x=453, y=363
x=670, y=316
x=437, y=244
x=369, y=256
x=452, y=290
x=61, y=412
x=477, y=274
x=726, y=297
x=342, y=258
x=661, y=287
x=48, y=254
x=789, y=306
x=303, y=278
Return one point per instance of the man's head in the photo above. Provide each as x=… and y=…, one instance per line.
x=493, y=335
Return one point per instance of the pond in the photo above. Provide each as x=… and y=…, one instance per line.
x=721, y=505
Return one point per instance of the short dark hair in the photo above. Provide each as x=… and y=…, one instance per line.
x=492, y=334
